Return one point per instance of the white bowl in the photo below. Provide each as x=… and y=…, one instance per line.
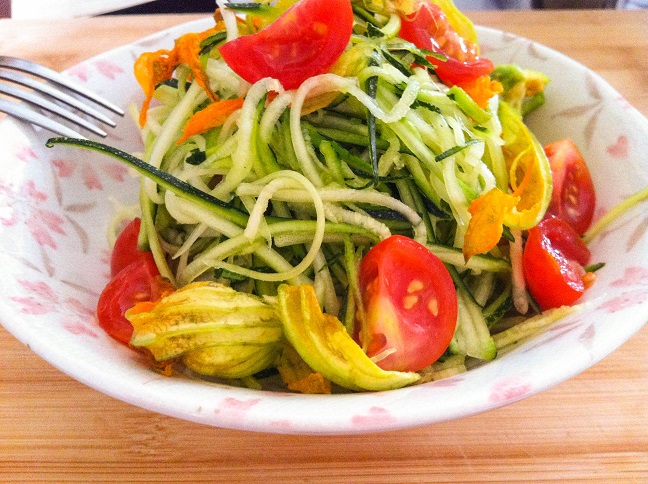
x=55, y=205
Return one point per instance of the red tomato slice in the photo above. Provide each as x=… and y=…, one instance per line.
x=125, y=250
x=303, y=42
x=573, y=198
x=429, y=29
x=410, y=305
x=553, y=260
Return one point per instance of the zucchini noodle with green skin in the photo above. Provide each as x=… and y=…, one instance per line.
x=281, y=167
x=296, y=186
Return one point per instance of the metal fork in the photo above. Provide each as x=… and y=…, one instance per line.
x=40, y=83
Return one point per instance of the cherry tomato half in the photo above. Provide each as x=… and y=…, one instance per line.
x=303, y=42
x=429, y=29
x=410, y=305
x=573, y=198
x=138, y=282
x=125, y=250
x=553, y=263
x=135, y=278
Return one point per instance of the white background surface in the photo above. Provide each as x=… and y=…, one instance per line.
x=80, y=8
x=67, y=8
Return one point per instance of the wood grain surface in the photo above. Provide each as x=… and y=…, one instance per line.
x=593, y=427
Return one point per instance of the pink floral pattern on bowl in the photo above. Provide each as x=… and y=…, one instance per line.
x=55, y=205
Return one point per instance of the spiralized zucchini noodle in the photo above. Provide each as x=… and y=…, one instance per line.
x=294, y=186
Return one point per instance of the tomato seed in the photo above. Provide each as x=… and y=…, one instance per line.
x=415, y=285
x=433, y=307
x=410, y=301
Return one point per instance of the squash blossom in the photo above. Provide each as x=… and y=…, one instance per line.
x=213, y=329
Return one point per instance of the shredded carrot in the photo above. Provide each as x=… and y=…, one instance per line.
x=212, y=116
x=482, y=89
x=486, y=225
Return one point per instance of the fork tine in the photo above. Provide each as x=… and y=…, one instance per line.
x=19, y=111
x=48, y=90
x=51, y=107
x=52, y=75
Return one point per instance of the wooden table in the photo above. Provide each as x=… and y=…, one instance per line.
x=592, y=427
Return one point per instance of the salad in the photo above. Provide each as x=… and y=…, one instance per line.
x=349, y=201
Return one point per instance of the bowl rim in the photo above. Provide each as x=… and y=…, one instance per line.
x=134, y=392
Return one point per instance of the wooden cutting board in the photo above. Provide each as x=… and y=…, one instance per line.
x=593, y=427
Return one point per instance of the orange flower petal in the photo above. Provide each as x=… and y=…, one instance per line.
x=212, y=116
x=188, y=51
x=482, y=89
x=487, y=221
x=152, y=68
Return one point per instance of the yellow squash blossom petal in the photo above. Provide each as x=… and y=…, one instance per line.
x=324, y=344
x=530, y=178
x=530, y=173
x=298, y=376
x=213, y=329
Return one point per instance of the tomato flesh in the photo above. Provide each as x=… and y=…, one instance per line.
x=573, y=198
x=410, y=305
x=553, y=263
x=429, y=29
x=303, y=42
